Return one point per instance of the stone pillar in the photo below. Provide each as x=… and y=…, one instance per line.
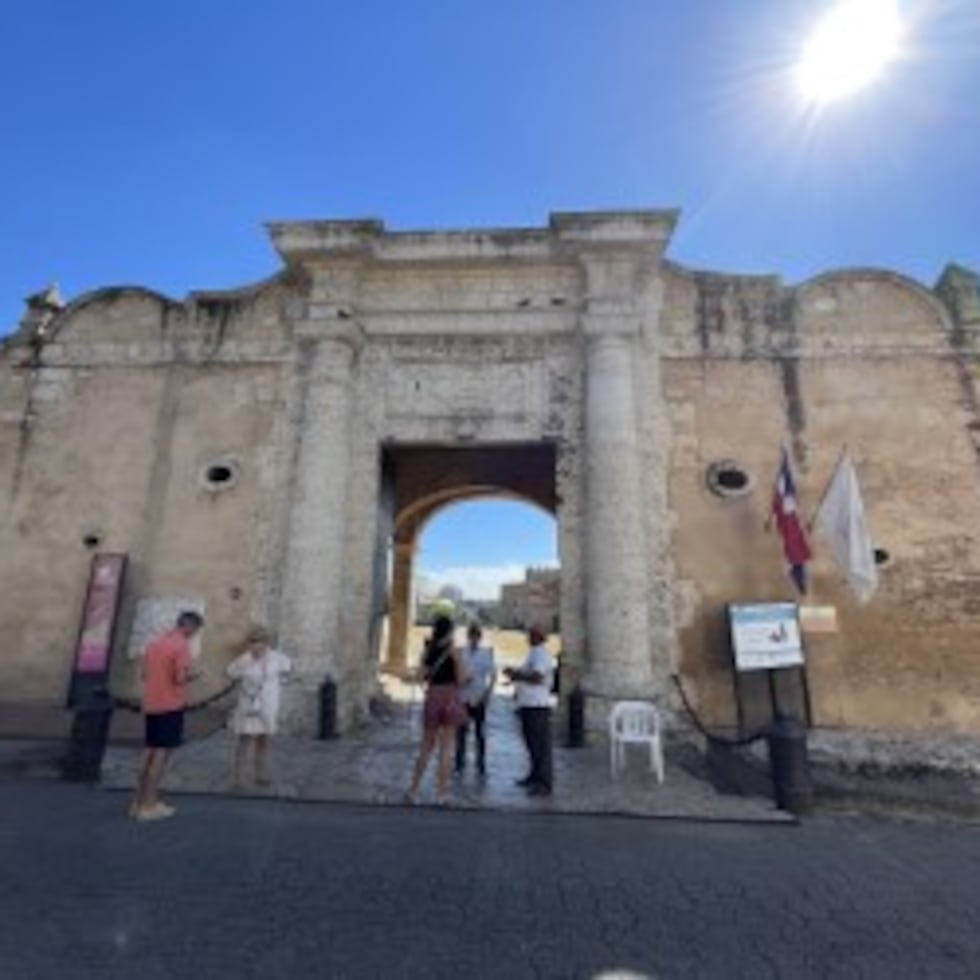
x=315, y=548
x=619, y=253
x=618, y=653
x=400, y=608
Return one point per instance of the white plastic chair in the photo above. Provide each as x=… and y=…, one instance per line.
x=635, y=723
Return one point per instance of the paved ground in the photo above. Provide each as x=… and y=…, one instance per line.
x=374, y=765
x=240, y=888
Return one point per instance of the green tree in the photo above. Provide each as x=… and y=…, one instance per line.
x=439, y=607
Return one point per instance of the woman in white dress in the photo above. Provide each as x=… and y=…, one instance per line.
x=259, y=672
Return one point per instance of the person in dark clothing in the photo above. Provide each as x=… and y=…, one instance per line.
x=443, y=673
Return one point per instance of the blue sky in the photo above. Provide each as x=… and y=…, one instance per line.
x=147, y=142
x=477, y=546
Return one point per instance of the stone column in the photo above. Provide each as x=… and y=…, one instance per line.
x=313, y=574
x=617, y=645
x=400, y=611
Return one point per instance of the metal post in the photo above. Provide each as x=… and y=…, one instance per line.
x=576, y=718
x=328, y=709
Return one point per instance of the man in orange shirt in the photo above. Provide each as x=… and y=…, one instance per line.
x=166, y=674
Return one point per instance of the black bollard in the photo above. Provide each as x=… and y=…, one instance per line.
x=328, y=709
x=790, y=766
x=576, y=718
x=87, y=743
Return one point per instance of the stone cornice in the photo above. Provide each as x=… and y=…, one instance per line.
x=623, y=229
x=300, y=241
x=306, y=243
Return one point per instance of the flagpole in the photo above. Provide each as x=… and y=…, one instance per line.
x=783, y=450
x=826, y=489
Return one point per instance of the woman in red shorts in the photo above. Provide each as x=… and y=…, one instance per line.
x=443, y=672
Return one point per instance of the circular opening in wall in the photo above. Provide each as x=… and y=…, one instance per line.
x=91, y=540
x=882, y=557
x=220, y=474
x=727, y=479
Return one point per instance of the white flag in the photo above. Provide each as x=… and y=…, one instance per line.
x=841, y=518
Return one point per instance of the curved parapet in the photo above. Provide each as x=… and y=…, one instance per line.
x=114, y=313
x=134, y=322
x=847, y=310
x=867, y=309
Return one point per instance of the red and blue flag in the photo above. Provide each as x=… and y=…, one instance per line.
x=786, y=513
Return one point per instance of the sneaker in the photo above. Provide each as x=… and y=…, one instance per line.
x=537, y=789
x=159, y=812
x=525, y=782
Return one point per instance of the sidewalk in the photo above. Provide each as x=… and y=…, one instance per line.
x=34, y=737
x=373, y=765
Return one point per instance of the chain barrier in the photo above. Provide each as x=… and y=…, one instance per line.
x=712, y=736
x=128, y=704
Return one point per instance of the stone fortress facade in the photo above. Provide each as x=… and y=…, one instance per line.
x=272, y=453
x=534, y=602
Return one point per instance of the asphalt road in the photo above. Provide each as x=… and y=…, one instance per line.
x=261, y=889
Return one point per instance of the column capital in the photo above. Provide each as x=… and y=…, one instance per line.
x=609, y=327
x=340, y=330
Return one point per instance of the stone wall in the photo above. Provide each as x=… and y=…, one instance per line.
x=637, y=375
x=534, y=602
x=861, y=359
x=106, y=435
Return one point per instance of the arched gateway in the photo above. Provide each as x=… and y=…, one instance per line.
x=270, y=453
x=445, y=365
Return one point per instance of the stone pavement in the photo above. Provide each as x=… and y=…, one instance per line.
x=373, y=765
x=266, y=889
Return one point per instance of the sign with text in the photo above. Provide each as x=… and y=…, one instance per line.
x=818, y=619
x=766, y=636
x=99, y=616
x=96, y=634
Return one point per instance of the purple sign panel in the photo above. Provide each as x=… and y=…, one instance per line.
x=99, y=615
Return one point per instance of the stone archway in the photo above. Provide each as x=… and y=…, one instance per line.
x=474, y=345
x=427, y=479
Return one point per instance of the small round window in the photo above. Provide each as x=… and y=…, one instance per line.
x=220, y=474
x=726, y=478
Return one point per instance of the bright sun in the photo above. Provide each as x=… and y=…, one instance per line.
x=849, y=49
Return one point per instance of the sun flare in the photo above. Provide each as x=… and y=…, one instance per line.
x=849, y=49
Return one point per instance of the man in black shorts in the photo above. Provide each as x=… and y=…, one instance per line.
x=166, y=674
